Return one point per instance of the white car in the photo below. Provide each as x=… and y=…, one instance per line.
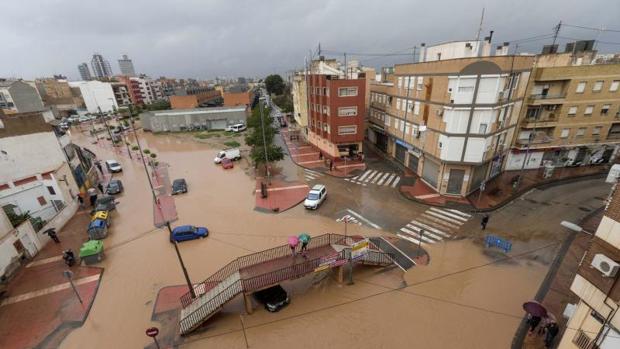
x=232, y=154
x=315, y=197
x=113, y=166
x=236, y=128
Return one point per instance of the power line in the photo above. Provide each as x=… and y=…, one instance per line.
x=597, y=41
x=591, y=28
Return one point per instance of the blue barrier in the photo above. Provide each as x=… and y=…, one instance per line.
x=496, y=241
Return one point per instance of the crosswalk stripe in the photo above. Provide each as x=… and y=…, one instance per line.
x=443, y=217
x=434, y=220
x=374, y=172
x=417, y=236
x=408, y=238
x=395, y=182
x=346, y=179
x=429, y=228
x=383, y=178
x=313, y=172
x=365, y=174
x=449, y=214
x=390, y=179
x=376, y=177
x=459, y=212
x=424, y=232
x=309, y=178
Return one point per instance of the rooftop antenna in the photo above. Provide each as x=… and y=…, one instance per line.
x=480, y=26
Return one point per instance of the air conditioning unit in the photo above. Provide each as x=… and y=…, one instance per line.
x=607, y=266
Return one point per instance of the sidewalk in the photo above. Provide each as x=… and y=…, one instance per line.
x=40, y=307
x=308, y=156
x=281, y=195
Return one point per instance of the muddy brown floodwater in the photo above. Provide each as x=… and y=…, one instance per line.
x=461, y=300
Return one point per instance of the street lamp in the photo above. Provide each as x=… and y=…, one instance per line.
x=578, y=229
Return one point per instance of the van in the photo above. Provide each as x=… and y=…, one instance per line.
x=232, y=154
x=236, y=128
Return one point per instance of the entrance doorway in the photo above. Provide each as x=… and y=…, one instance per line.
x=455, y=182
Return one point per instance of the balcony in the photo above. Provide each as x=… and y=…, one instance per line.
x=550, y=120
x=379, y=105
x=539, y=137
x=557, y=98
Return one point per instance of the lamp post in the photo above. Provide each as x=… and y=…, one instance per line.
x=262, y=127
x=578, y=229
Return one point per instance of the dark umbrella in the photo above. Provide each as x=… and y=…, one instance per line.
x=535, y=308
x=48, y=231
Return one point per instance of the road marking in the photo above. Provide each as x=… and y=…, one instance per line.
x=377, y=177
x=429, y=228
x=374, y=172
x=459, y=212
x=383, y=178
x=417, y=235
x=48, y=290
x=441, y=216
x=363, y=219
x=285, y=188
x=365, y=174
x=395, y=182
x=349, y=218
x=409, y=238
x=44, y=261
x=311, y=172
x=423, y=232
x=389, y=179
x=427, y=196
x=449, y=214
x=435, y=220
x=351, y=165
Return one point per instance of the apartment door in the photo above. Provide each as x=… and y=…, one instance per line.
x=455, y=182
x=400, y=153
x=430, y=172
x=382, y=142
x=413, y=163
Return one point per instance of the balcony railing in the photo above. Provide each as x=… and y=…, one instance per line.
x=548, y=96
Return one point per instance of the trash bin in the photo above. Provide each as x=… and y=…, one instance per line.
x=91, y=252
x=103, y=215
x=97, y=229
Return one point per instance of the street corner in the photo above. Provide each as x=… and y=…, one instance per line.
x=47, y=305
x=166, y=314
x=415, y=189
x=279, y=196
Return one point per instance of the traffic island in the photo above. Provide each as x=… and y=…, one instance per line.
x=278, y=196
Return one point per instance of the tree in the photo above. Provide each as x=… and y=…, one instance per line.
x=255, y=139
x=274, y=84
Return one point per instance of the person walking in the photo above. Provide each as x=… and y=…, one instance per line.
x=100, y=187
x=552, y=331
x=52, y=234
x=533, y=321
x=80, y=200
x=331, y=165
x=92, y=194
x=305, y=240
x=320, y=155
x=484, y=221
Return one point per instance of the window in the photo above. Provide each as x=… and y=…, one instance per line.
x=416, y=108
x=347, y=130
x=614, y=86
x=565, y=133
x=325, y=110
x=409, y=105
x=324, y=91
x=411, y=83
x=581, y=131
x=532, y=112
x=42, y=201
x=482, y=129
x=572, y=111
x=347, y=111
x=598, y=86
x=597, y=130
x=387, y=120
x=347, y=91
x=588, y=110
x=327, y=91
x=400, y=82
x=581, y=87
x=51, y=190
x=420, y=83
x=605, y=109
x=398, y=103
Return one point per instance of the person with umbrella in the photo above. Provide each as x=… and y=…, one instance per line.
x=293, y=241
x=536, y=312
x=305, y=240
x=52, y=234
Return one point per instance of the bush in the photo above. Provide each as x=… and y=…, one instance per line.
x=232, y=144
x=146, y=151
x=153, y=155
x=134, y=147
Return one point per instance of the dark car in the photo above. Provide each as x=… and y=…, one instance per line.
x=188, y=232
x=105, y=203
x=274, y=298
x=179, y=186
x=114, y=187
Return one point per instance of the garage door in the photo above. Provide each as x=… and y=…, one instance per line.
x=430, y=172
x=413, y=163
x=218, y=124
x=400, y=153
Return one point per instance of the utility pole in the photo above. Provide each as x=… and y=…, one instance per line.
x=262, y=127
x=556, y=32
x=480, y=26
x=105, y=123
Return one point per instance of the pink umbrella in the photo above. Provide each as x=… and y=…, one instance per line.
x=293, y=241
x=535, y=308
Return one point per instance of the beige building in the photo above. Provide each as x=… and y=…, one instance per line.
x=571, y=115
x=450, y=121
x=595, y=322
x=300, y=101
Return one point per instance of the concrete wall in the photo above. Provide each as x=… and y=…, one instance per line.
x=97, y=94
x=206, y=118
x=25, y=97
x=42, y=154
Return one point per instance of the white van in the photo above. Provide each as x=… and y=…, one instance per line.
x=232, y=154
x=236, y=128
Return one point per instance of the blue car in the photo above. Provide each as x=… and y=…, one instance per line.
x=188, y=232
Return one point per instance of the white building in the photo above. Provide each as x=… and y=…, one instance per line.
x=97, y=94
x=148, y=89
x=17, y=244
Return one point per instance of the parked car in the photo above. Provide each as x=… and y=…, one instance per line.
x=105, y=203
x=188, y=232
x=274, y=298
x=114, y=187
x=179, y=186
x=113, y=166
x=315, y=197
x=236, y=128
x=72, y=119
x=232, y=154
x=227, y=163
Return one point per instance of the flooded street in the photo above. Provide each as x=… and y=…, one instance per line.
x=464, y=298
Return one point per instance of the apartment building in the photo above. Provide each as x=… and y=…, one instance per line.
x=336, y=113
x=98, y=96
x=571, y=115
x=101, y=66
x=595, y=322
x=58, y=95
x=300, y=101
x=142, y=89
x=451, y=117
x=121, y=94
x=18, y=96
x=84, y=72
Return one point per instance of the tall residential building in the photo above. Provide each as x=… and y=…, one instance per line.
x=101, y=67
x=18, y=96
x=142, y=89
x=451, y=117
x=126, y=66
x=595, y=322
x=84, y=72
x=571, y=115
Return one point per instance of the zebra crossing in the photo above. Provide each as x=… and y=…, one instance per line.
x=350, y=219
x=311, y=175
x=386, y=179
x=434, y=225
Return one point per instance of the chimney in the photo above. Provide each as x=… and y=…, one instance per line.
x=422, y=52
x=502, y=50
x=490, y=37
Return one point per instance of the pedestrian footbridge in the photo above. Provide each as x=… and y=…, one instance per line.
x=260, y=270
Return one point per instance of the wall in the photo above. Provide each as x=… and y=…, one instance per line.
x=232, y=99
x=300, y=102
x=183, y=102
x=42, y=154
x=25, y=97
x=97, y=95
x=514, y=161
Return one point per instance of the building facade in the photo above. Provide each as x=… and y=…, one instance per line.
x=121, y=94
x=18, y=96
x=336, y=113
x=300, y=102
x=84, y=72
x=101, y=67
x=595, y=322
x=58, y=95
x=98, y=96
x=232, y=99
x=450, y=121
x=126, y=66
x=193, y=119
x=572, y=113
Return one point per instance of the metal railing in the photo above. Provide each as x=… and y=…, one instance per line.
x=190, y=321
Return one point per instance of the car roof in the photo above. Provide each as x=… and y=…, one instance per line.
x=111, y=161
x=317, y=187
x=179, y=180
x=116, y=181
x=184, y=228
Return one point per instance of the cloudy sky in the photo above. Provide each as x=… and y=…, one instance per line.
x=208, y=38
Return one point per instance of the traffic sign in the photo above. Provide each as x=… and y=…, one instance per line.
x=359, y=249
x=152, y=331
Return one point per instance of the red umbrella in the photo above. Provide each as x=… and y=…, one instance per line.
x=293, y=241
x=535, y=308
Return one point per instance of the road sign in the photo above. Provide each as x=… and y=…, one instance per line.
x=152, y=331
x=327, y=262
x=359, y=249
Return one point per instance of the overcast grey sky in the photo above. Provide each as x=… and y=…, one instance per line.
x=208, y=38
